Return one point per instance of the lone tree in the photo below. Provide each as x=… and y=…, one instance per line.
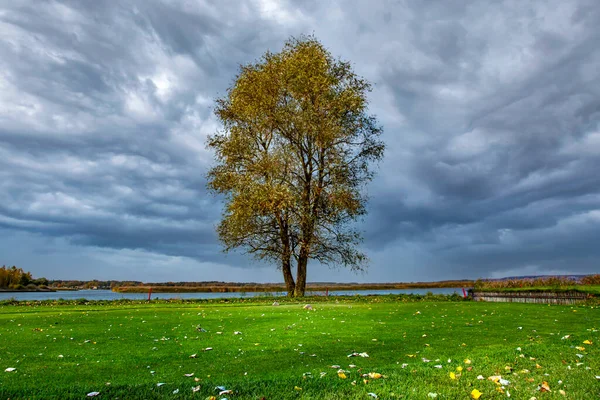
x=293, y=160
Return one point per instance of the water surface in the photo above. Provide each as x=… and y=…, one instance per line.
x=110, y=295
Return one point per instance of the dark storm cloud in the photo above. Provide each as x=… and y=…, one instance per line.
x=491, y=117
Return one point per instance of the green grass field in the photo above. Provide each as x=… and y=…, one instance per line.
x=286, y=352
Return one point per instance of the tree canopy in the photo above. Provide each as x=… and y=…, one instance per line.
x=293, y=158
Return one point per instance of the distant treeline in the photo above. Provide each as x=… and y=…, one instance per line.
x=16, y=279
x=221, y=287
x=557, y=282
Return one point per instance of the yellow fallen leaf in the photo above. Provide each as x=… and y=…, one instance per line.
x=467, y=361
x=475, y=394
x=538, y=366
x=580, y=348
x=297, y=388
x=562, y=392
x=587, y=342
x=459, y=369
x=374, y=375
x=544, y=387
x=494, y=378
x=499, y=390
x=452, y=375
x=342, y=375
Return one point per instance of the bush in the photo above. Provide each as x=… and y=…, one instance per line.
x=591, y=280
x=16, y=286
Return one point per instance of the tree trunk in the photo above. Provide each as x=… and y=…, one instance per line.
x=301, y=274
x=287, y=276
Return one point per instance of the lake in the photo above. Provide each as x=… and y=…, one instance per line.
x=110, y=295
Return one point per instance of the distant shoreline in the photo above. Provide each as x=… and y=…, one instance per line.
x=320, y=287
x=3, y=290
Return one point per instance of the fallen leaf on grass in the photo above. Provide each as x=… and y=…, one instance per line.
x=562, y=392
x=467, y=361
x=544, y=387
x=580, y=348
x=208, y=349
x=480, y=377
x=374, y=375
x=297, y=388
x=587, y=342
x=188, y=375
x=342, y=375
x=196, y=389
x=373, y=395
x=160, y=384
x=432, y=395
x=355, y=354
x=10, y=369
x=93, y=394
x=452, y=376
x=475, y=394
x=228, y=391
x=193, y=355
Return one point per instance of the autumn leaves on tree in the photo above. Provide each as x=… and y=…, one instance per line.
x=293, y=159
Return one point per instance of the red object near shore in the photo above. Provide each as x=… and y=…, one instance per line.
x=464, y=293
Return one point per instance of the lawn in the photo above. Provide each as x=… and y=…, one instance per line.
x=422, y=349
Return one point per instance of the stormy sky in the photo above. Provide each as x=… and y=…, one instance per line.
x=491, y=112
